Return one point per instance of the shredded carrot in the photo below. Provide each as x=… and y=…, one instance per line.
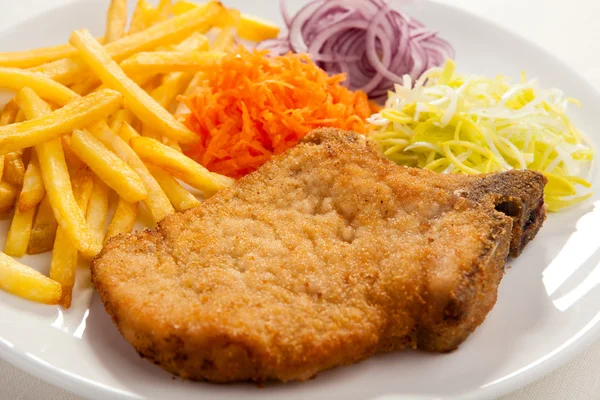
x=252, y=106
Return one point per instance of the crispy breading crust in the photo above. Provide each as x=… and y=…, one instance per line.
x=326, y=255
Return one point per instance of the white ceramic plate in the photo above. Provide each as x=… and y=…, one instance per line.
x=548, y=307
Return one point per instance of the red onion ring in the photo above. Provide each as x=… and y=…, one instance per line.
x=372, y=43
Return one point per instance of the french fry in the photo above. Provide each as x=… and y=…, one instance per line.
x=226, y=18
x=33, y=191
x=55, y=173
x=33, y=58
x=77, y=114
x=163, y=11
x=195, y=41
x=19, y=233
x=224, y=40
x=248, y=26
x=140, y=102
x=57, y=180
x=63, y=265
x=123, y=220
x=179, y=165
x=44, y=229
x=97, y=211
x=14, y=168
x=194, y=83
x=143, y=17
x=157, y=201
x=180, y=198
x=8, y=196
x=255, y=29
x=16, y=79
x=151, y=84
x=116, y=20
x=163, y=33
x=109, y=168
x=25, y=282
x=161, y=62
x=9, y=113
x=116, y=121
x=86, y=86
x=64, y=257
x=7, y=117
x=182, y=6
x=20, y=117
x=74, y=163
x=127, y=133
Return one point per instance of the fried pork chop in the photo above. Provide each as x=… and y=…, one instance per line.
x=323, y=257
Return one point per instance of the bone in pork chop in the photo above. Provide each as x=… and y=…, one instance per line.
x=325, y=256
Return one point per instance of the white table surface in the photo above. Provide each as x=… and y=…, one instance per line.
x=568, y=29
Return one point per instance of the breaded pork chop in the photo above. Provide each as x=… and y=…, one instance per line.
x=325, y=256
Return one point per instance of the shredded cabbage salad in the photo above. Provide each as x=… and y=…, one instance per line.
x=471, y=124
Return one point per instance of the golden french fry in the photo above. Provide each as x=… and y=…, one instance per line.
x=63, y=265
x=58, y=187
x=33, y=58
x=182, y=6
x=44, y=229
x=8, y=196
x=127, y=133
x=140, y=102
x=116, y=20
x=163, y=33
x=248, y=26
x=19, y=233
x=20, y=117
x=56, y=178
x=33, y=191
x=172, y=144
x=116, y=121
x=109, y=168
x=9, y=113
x=123, y=220
x=25, y=282
x=157, y=201
x=151, y=133
x=255, y=29
x=73, y=162
x=195, y=41
x=143, y=17
x=194, y=83
x=77, y=114
x=17, y=79
x=14, y=168
x=224, y=40
x=226, y=18
x=7, y=117
x=97, y=211
x=179, y=165
x=151, y=84
x=86, y=86
x=180, y=198
x=163, y=11
x=64, y=257
x=161, y=62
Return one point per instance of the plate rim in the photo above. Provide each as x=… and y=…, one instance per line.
x=545, y=365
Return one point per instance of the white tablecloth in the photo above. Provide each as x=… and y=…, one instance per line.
x=568, y=29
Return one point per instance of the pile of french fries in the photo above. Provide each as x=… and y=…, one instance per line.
x=100, y=116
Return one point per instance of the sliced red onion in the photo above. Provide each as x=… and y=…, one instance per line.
x=371, y=42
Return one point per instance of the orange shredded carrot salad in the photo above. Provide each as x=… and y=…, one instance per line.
x=251, y=107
